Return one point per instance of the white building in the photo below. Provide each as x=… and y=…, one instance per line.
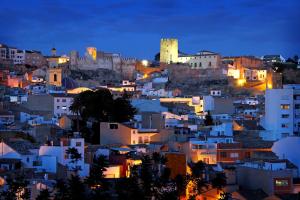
x=62, y=103
x=222, y=129
x=282, y=111
x=202, y=60
x=60, y=152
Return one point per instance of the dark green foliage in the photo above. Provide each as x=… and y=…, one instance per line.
x=219, y=181
x=100, y=106
x=198, y=177
x=16, y=186
x=44, y=195
x=146, y=174
x=62, y=190
x=180, y=184
x=76, y=188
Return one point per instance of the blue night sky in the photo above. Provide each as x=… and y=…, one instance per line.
x=134, y=28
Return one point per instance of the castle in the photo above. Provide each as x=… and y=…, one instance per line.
x=93, y=60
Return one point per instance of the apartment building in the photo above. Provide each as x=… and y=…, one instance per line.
x=282, y=111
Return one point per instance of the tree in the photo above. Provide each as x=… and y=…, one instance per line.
x=100, y=106
x=123, y=111
x=197, y=180
x=146, y=175
x=219, y=181
x=75, y=156
x=76, y=188
x=17, y=189
x=208, y=121
x=180, y=185
x=96, y=180
x=62, y=190
x=225, y=196
x=44, y=195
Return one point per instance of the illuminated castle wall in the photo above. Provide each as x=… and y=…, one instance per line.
x=92, y=52
x=168, y=51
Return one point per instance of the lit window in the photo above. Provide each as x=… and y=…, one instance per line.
x=285, y=106
x=282, y=183
x=140, y=139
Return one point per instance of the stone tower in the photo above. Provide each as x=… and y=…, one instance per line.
x=168, y=51
x=55, y=76
x=74, y=56
x=92, y=52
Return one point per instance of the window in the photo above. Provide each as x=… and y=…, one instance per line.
x=57, y=107
x=285, y=106
x=297, y=106
x=133, y=142
x=58, y=100
x=284, y=125
x=200, y=64
x=63, y=100
x=78, y=144
x=113, y=126
x=282, y=182
x=146, y=139
x=285, y=116
x=209, y=64
x=223, y=154
x=55, y=77
x=234, y=155
x=140, y=139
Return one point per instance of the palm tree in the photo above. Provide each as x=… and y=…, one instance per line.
x=75, y=156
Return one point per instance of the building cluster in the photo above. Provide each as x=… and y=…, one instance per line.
x=250, y=137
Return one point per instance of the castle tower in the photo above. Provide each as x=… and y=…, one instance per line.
x=92, y=51
x=55, y=76
x=168, y=51
x=74, y=55
x=53, y=52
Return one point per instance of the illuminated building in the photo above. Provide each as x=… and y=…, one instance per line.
x=282, y=112
x=93, y=60
x=201, y=60
x=92, y=52
x=55, y=76
x=168, y=51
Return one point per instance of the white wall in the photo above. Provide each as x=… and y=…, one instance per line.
x=274, y=119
